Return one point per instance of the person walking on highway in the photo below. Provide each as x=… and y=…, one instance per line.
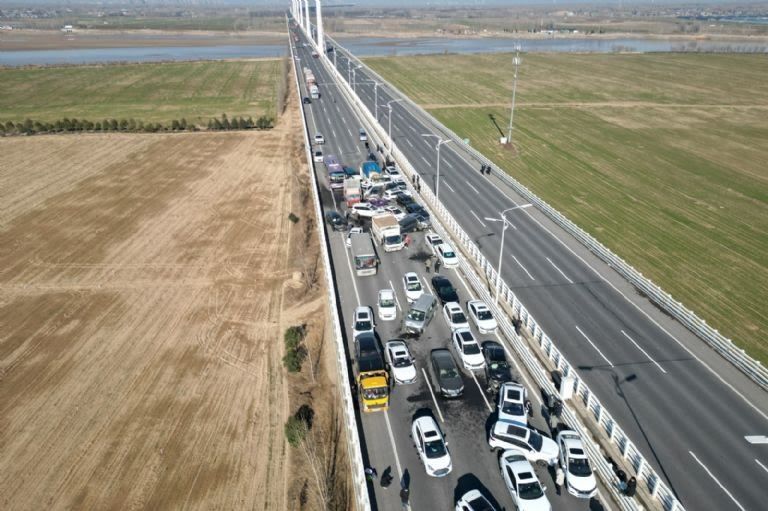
x=427, y=265
x=405, y=494
x=437, y=265
x=407, y=241
x=371, y=474
x=559, y=479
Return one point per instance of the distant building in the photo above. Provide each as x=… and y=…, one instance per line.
x=67, y=29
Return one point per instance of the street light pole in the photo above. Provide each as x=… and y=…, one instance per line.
x=440, y=142
x=505, y=223
x=516, y=61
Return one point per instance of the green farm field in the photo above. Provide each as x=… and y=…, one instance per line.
x=158, y=92
x=662, y=157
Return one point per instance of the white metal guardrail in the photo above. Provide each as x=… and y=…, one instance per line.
x=354, y=449
x=735, y=355
x=645, y=473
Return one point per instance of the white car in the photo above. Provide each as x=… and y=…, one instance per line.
x=319, y=139
x=318, y=156
x=431, y=447
x=394, y=174
x=523, y=485
x=512, y=398
x=399, y=213
x=363, y=135
x=481, y=316
x=511, y=435
x=365, y=210
x=400, y=362
x=363, y=321
x=447, y=255
x=386, y=305
x=473, y=500
x=468, y=350
x=392, y=194
x=579, y=479
x=433, y=240
x=454, y=316
x=412, y=286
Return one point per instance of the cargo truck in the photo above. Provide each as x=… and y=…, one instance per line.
x=386, y=231
x=372, y=375
x=370, y=171
x=352, y=191
x=363, y=254
x=309, y=79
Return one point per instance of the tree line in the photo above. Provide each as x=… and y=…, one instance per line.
x=67, y=125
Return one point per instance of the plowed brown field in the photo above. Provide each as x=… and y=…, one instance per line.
x=141, y=317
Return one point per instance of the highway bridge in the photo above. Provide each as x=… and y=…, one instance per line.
x=688, y=410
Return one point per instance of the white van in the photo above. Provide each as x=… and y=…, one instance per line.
x=363, y=135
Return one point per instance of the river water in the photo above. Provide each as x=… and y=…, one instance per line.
x=368, y=46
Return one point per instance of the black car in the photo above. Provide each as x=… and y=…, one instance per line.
x=444, y=289
x=404, y=199
x=497, y=370
x=306, y=100
x=409, y=223
x=414, y=207
x=336, y=221
x=446, y=376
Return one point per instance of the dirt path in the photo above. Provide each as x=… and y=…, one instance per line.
x=141, y=279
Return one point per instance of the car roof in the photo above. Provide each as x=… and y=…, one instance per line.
x=453, y=305
x=362, y=309
x=439, y=279
x=442, y=355
x=427, y=424
x=445, y=247
x=513, y=391
x=478, y=304
x=411, y=275
x=511, y=428
x=515, y=459
x=462, y=334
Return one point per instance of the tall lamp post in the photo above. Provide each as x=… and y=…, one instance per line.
x=440, y=142
x=375, y=97
x=504, y=220
x=354, y=83
x=389, y=106
x=516, y=61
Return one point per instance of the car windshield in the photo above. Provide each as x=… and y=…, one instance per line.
x=402, y=361
x=416, y=315
x=446, y=290
x=375, y=393
x=529, y=491
x=535, y=441
x=579, y=467
x=448, y=372
x=414, y=285
x=362, y=325
x=499, y=364
x=471, y=348
x=387, y=302
x=458, y=317
x=449, y=254
x=512, y=408
x=484, y=315
x=434, y=449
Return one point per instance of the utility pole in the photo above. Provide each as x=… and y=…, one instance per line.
x=516, y=61
x=320, y=35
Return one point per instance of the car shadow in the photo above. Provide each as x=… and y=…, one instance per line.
x=469, y=482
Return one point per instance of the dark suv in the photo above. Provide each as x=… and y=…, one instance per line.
x=336, y=221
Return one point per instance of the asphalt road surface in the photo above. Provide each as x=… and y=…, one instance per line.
x=685, y=408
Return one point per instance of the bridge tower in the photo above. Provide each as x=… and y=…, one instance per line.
x=320, y=35
x=307, y=24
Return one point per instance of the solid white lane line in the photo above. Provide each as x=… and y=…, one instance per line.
x=475, y=189
x=717, y=481
x=758, y=462
x=351, y=272
x=593, y=345
x=394, y=446
x=397, y=302
x=425, y=160
x=756, y=439
x=644, y=352
x=434, y=400
x=449, y=187
x=558, y=269
x=477, y=217
x=482, y=392
x=523, y=267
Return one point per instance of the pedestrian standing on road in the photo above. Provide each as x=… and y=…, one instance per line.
x=559, y=479
x=437, y=265
x=426, y=265
x=370, y=474
x=418, y=188
x=405, y=494
x=407, y=240
x=631, y=487
x=386, y=478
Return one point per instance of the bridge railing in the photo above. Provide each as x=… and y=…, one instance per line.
x=727, y=349
x=354, y=448
x=654, y=485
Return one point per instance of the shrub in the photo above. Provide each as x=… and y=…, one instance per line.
x=293, y=218
x=294, y=358
x=295, y=431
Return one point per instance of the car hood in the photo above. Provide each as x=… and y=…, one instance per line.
x=500, y=374
x=451, y=383
x=581, y=483
x=438, y=463
x=540, y=504
x=476, y=359
x=549, y=448
x=404, y=373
